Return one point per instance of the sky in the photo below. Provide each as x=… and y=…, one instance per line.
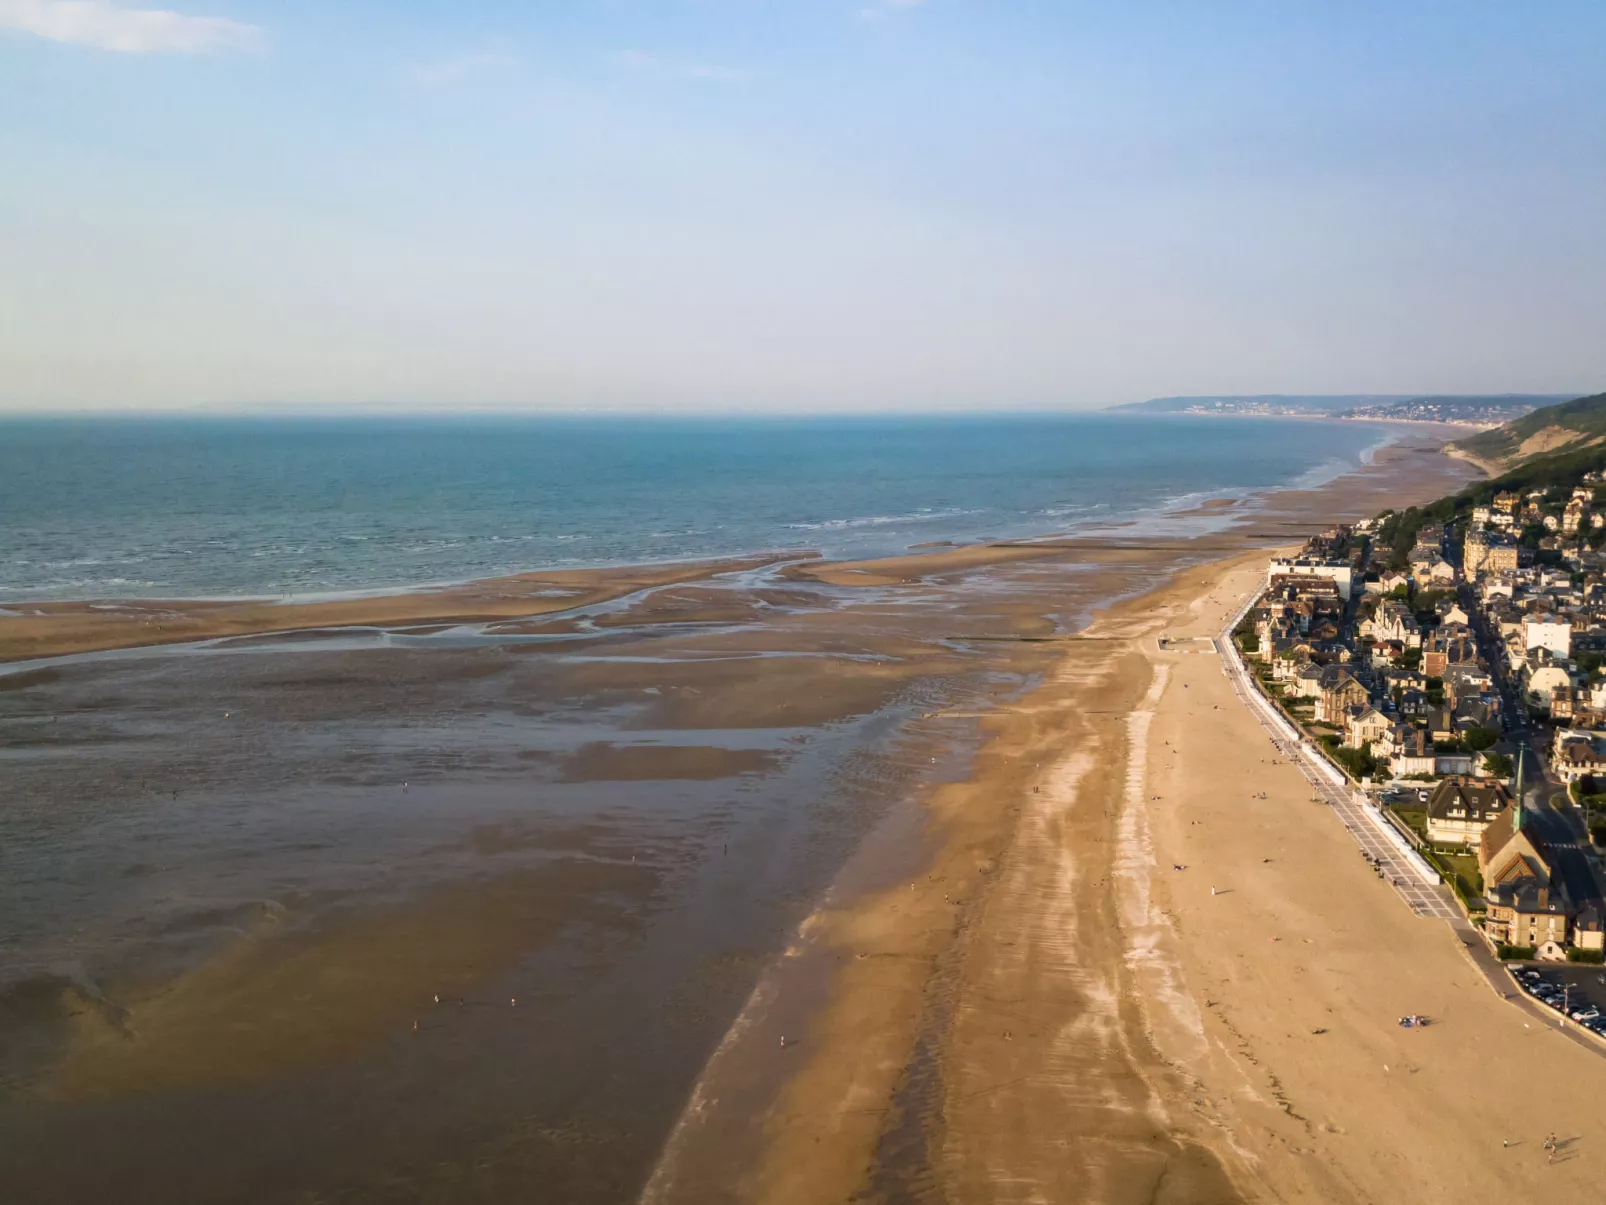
x=784, y=205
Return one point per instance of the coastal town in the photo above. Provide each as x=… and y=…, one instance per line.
x=1448, y=664
x=1474, y=412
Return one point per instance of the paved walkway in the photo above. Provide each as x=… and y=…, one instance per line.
x=1371, y=832
x=1378, y=840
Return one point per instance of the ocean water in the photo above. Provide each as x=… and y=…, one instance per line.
x=187, y=507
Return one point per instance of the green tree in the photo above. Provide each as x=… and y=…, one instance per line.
x=1479, y=739
x=1358, y=762
x=1499, y=765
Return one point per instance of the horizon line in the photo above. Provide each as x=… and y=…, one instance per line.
x=448, y=410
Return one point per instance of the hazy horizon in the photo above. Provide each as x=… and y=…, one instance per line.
x=446, y=410
x=886, y=206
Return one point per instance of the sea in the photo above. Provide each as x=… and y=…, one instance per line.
x=224, y=507
x=441, y=914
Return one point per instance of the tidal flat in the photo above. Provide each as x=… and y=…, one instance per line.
x=444, y=905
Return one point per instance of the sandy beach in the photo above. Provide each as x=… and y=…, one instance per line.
x=1052, y=1012
x=896, y=813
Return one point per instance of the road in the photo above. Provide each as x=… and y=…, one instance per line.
x=1558, y=821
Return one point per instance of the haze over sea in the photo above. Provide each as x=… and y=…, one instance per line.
x=197, y=507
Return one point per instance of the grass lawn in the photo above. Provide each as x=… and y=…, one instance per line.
x=1465, y=868
x=1462, y=864
x=1416, y=816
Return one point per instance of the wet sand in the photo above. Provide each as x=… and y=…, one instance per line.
x=874, y=808
x=226, y=912
x=52, y=629
x=984, y=1035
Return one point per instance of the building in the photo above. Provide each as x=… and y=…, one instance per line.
x=1341, y=574
x=1563, y=704
x=1529, y=913
x=1393, y=621
x=1542, y=675
x=1551, y=632
x=1339, y=692
x=1306, y=681
x=1366, y=726
x=1576, y=756
x=1486, y=552
x=1394, y=580
x=1528, y=905
x=1442, y=573
x=1414, y=756
x=1460, y=809
x=1291, y=587
x=1589, y=928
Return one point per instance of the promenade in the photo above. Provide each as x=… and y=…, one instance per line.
x=1412, y=878
x=1416, y=882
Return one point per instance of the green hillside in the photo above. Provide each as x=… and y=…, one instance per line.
x=1569, y=426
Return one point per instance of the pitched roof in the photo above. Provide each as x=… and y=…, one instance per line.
x=1530, y=896
x=1478, y=802
x=1579, y=752
x=1494, y=854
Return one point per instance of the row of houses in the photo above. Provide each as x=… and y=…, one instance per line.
x=1542, y=601
x=1525, y=895
x=1549, y=618
x=1405, y=691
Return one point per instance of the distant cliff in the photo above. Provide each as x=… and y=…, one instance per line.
x=1570, y=426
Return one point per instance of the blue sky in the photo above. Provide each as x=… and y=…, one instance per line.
x=795, y=204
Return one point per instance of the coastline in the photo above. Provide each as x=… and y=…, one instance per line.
x=1109, y=1029
x=48, y=628
x=981, y=888
x=973, y=1008
x=1488, y=468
